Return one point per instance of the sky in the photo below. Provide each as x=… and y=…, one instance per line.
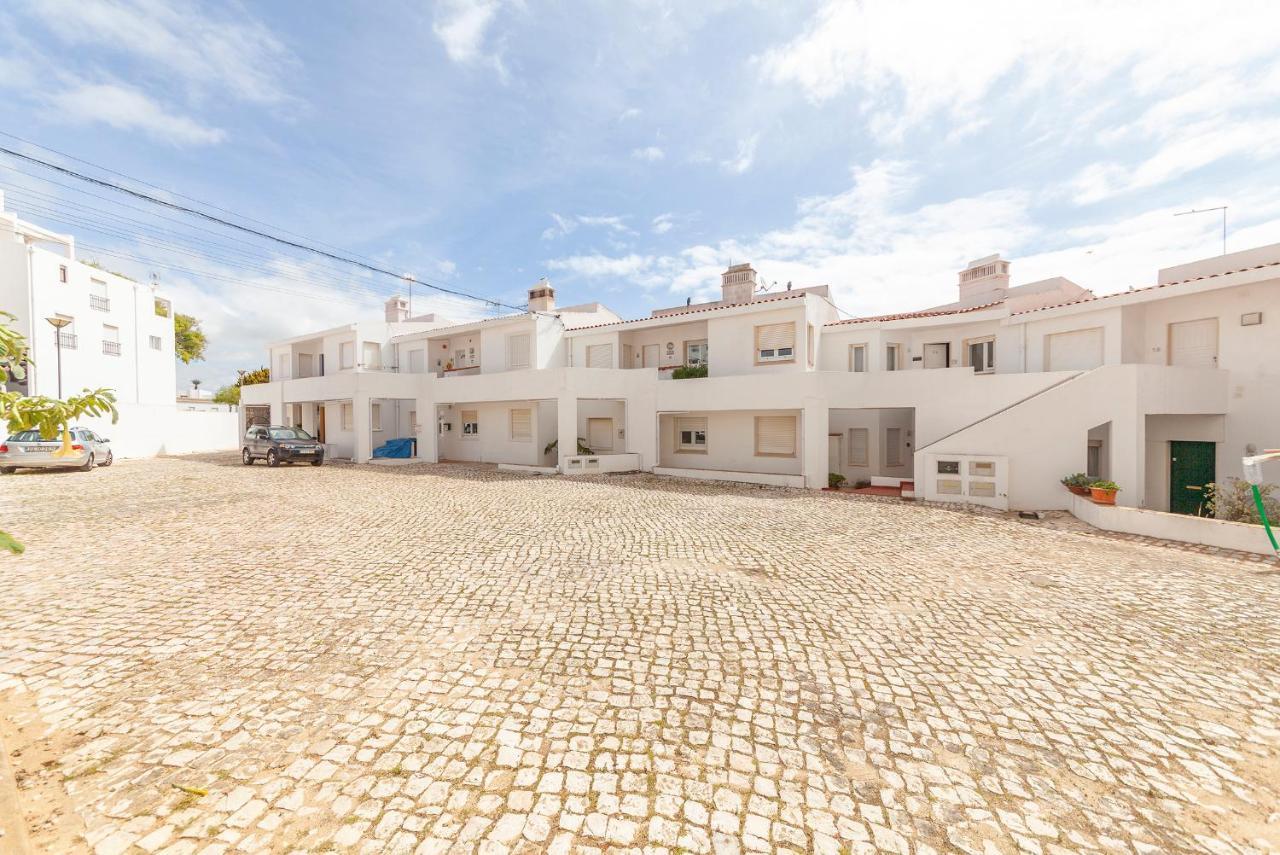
x=629, y=151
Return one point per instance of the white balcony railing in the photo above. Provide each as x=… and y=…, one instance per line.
x=111, y=348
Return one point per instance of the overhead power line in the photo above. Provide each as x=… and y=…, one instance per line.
x=345, y=259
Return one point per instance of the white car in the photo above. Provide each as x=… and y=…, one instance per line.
x=28, y=450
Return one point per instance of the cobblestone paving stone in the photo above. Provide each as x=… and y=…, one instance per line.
x=436, y=659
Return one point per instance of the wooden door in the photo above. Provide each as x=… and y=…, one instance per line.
x=320, y=423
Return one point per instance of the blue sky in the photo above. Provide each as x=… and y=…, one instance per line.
x=630, y=150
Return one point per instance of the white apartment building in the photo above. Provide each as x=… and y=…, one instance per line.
x=989, y=400
x=118, y=335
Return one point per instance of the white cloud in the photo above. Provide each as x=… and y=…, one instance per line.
x=129, y=109
x=562, y=225
x=650, y=153
x=746, y=156
x=462, y=26
x=662, y=224
x=234, y=55
x=904, y=74
x=596, y=266
x=629, y=113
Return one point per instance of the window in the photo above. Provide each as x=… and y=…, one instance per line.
x=154, y=341
x=346, y=354
x=110, y=340
x=891, y=354
x=600, y=435
x=775, y=436
x=893, y=446
x=691, y=435
x=600, y=356
x=372, y=356
x=470, y=424
x=62, y=273
x=162, y=307
x=858, y=358
x=347, y=416
x=375, y=416
x=417, y=361
x=810, y=339
x=282, y=366
x=948, y=467
x=776, y=343
x=522, y=425
x=859, y=447
x=517, y=351
x=695, y=352
x=982, y=355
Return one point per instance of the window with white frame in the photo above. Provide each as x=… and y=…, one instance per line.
x=892, y=357
x=600, y=356
x=517, y=351
x=348, y=416
x=691, y=434
x=470, y=424
x=375, y=416
x=981, y=353
x=372, y=355
x=858, y=358
x=347, y=354
x=110, y=340
x=521, y=425
x=859, y=447
x=695, y=352
x=154, y=341
x=775, y=436
x=776, y=343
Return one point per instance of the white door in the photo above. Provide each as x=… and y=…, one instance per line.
x=1194, y=343
x=600, y=435
x=935, y=355
x=835, y=461
x=417, y=361
x=1078, y=350
x=650, y=356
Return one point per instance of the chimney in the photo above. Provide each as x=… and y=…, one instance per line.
x=542, y=297
x=397, y=309
x=985, y=280
x=738, y=284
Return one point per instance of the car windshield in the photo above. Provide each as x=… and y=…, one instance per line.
x=289, y=433
x=26, y=436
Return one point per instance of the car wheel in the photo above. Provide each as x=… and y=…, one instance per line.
x=246, y=458
x=8, y=470
x=272, y=458
x=319, y=461
x=110, y=459
x=88, y=464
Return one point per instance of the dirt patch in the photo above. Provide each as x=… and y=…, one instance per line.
x=46, y=821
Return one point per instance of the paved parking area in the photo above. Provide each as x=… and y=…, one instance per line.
x=201, y=657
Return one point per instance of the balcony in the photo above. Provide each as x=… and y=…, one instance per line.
x=102, y=304
x=464, y=371
x=68, y=340
x=111, y=348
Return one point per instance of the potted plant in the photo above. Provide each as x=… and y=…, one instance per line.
x=1078, y=483
x=1104, y=492
x=834, y=480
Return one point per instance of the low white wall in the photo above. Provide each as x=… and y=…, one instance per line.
x=736, y=477
x=145, y=430
x=595, y=464
x=1203, y=530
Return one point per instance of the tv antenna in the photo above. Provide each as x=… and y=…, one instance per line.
x=1223, y=209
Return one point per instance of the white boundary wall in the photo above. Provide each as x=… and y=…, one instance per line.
x=1188, y=529
x=145, y=430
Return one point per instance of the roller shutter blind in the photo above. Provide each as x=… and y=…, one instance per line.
x=600, y=356
x=522, y=425
x=600, y=434
x=776, y=435
x=518, y=351
x=776, y=342
x=858, y=446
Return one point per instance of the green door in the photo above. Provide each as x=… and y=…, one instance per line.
x=1191, y=466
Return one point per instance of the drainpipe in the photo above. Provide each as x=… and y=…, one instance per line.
x=31, y=321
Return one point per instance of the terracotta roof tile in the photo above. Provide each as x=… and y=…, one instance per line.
x=1149, y=288
x=675, y=316
x=927, y=313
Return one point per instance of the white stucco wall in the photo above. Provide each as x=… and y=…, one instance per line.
x=730, y=443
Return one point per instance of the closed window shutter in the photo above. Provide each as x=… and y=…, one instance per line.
x=858, y=442
x=600, y=434
x=776, y=435
x=518, y=351
x=775, y=337
x=893, y=447
x=522, y=424
x=600, y=356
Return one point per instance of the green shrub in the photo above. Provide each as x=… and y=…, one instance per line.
x=1232, y=500
x=1079, y=479
x=1105, y=485
x=688, y=372
x=835, y=479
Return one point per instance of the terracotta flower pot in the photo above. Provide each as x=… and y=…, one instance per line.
x=1103, y=497
x=1079, y=491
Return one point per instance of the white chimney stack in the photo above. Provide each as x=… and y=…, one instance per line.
x=397, y=310
x=985, y=280
x=738, y=284
x=542, y=297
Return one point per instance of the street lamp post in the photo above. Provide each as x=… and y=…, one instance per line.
x=58, y=323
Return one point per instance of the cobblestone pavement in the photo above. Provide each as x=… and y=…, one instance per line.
x=433, y=659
